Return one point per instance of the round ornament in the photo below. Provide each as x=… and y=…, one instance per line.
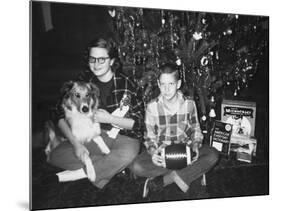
x=204, y=61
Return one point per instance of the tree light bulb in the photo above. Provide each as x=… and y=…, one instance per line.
x=204, y=118
x=212, y=113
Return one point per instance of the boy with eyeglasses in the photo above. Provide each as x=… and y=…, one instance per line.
x=171, y=118
x=113, y=86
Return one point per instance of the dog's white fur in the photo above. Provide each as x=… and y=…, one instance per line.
x=78, y=114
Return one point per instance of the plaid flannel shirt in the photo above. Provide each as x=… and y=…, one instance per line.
x=122, y=84
x=166, y=128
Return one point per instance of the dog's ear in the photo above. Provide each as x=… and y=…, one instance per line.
x=66, y=87
x=95, y=94
x=96, y=103
x=66, y=104
x=94, y=89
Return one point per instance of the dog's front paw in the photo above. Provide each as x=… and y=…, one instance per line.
x=105, y=150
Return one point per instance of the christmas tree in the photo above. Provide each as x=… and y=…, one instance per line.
x=212, y=51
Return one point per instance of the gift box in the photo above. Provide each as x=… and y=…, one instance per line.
x=220, y=137
x=241, y=114
x=244, y=147
x=245, y=157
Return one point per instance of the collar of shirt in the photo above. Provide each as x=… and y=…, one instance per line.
x=118, y=86
x=181, y=101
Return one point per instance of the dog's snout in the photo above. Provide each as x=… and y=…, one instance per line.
x=85, y=109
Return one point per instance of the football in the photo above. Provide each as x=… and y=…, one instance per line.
x=177, y=156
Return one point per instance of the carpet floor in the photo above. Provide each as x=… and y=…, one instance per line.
x=227, y=179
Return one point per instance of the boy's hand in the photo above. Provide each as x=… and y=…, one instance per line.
x=157, y=159
x=195, y=148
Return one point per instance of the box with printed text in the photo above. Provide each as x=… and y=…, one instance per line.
x=241, y=114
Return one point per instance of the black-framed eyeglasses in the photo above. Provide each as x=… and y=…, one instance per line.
x=100, y=60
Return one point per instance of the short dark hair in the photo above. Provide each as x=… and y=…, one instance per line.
x=169, y=68
x=108, y=44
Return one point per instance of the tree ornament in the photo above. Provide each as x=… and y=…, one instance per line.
x=163, y=18
x=212, y=113
x=199, y=72
x=178, y=61
x=238, y=87
x=229, y=31
x=145, y=45
x=112, y=13
x=203, y=20
x=212, y=99
x=204, y=61
x=197, y=35
x=204, y=118
x=217, y=55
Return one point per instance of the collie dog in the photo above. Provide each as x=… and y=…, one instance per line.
x=79, y=101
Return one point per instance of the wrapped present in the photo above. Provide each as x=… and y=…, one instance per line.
x=244, y=147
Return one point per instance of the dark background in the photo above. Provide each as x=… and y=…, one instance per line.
x=74, y=25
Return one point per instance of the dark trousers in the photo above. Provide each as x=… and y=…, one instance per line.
x=208, y=156
x=123, y=150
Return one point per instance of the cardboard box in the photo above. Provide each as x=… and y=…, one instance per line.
x=220, y=137
x=243, y=144
x=245, y=157
x=241, y=114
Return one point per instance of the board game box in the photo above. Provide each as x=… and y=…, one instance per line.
x=241, y=114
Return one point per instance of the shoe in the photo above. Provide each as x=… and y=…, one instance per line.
x=152, y=185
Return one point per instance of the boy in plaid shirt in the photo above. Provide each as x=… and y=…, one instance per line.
x=172, y=118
